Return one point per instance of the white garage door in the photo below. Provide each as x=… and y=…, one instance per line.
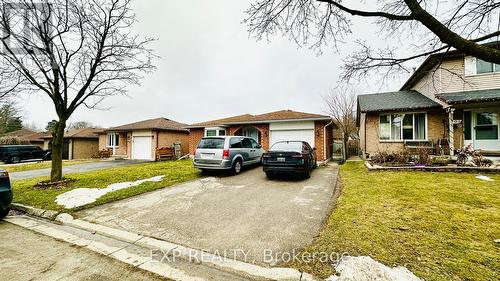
x=292, y=135
x=141, y=148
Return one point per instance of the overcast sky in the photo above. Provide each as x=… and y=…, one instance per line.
x=211, y=68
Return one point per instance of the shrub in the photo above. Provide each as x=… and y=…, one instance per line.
x=103, y=153
x=440, y=161
x=12, y=141
x=423, y=156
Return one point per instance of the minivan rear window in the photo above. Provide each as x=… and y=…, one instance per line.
x=287, y=146
x=211, y=143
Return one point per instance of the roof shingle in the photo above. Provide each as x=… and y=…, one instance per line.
x=151, y=124
x=400, y=100
x=470, y=96
x=83, y=133
x=271, y=116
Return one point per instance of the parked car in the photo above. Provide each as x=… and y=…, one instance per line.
x=18, y=153
x=291, y=157
x=5, y=193
x=227, y=153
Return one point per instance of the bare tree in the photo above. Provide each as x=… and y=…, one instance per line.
x=76, y=52
x=435, y=26
x=341, y=105
x=79, y=125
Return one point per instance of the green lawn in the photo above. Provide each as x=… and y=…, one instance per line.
x=174, y=171
x=441, y=226
x=41, y=165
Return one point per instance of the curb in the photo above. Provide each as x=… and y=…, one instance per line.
x=37, y=212
x=189, y=254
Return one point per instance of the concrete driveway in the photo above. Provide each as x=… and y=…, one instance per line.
x=246, y=217
x=77, y=168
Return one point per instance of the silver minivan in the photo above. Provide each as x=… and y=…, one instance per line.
x=227, y=153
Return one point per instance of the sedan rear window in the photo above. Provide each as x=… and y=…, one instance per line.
x=287, y=146
x=211, y=143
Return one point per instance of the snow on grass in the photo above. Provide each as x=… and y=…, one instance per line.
x=365, y=268
x=83, y=196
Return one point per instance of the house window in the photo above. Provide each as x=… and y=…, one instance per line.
x=486, y=126
x=215, y=132
x=397, y=127
x=113, y=140
x=486, y=67
x=211, y=133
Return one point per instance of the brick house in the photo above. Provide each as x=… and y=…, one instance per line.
x=269, y=128
x=139, y=140
x=450, y=101
x=78, y=143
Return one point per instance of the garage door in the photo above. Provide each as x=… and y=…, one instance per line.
x=141, y=148
x=292, y=135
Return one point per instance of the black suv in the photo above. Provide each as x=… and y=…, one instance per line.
x=18, y=153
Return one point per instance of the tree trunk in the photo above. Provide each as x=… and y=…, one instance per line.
x=57, y=151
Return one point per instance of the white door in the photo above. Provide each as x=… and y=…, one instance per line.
x=141, y=148
x=292, y=135
x=486, y=135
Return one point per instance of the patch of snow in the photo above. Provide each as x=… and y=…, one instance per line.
x=365, y=268
x=83, y=196
x=484, y=178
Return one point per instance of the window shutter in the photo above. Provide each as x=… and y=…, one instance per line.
x=470, y=65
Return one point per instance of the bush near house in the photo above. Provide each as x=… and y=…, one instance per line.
x=441, y=226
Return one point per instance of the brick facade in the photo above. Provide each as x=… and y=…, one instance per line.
x=195, y=136
x=319, y=138
x=197, y=133
x=263, y=133
x=159, y=139
x=436, y=129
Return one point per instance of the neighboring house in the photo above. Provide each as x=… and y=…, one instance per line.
x=78, y=143
x=27, y=135
x=451, y=99
x=271, y=127
x=140, y=140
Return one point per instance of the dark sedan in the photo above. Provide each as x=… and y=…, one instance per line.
x=5, y=193
x=289, y=156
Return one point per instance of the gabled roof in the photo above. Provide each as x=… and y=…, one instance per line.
x=391, y=101
x=19, y=133
x=151, y=124
x=84, y=133
x=433, y=60
x=281, y=115
x=26, y=134
x=470, y=96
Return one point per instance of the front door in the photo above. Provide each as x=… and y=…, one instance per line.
x=486, y=130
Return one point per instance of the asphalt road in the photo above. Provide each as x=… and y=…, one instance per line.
x=247, y=216
x=78, y=168
x=26, y=255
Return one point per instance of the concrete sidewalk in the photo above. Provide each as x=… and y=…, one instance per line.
x=31, y=256
x=166, y=259
x=78, y=168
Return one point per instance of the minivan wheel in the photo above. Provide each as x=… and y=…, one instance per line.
x=15, y=160
x=270, y=175
x=237, y=167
